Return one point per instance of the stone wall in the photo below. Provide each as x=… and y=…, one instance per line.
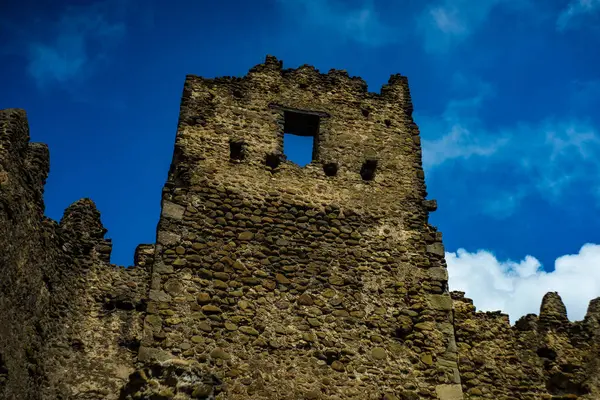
x=68, y=319
x=545, y=357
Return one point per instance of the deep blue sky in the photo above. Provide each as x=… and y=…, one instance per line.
x=506, y=94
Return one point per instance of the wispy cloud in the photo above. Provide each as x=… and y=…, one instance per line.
x=73, y=47
x=457, y=134
x=458, y=143
x=574, y=12
x=546, y=157
x=361, y=23
x=504, y=203
x=440, y=24
x=555, y=154
x=448, y=22
x=517, y=288
x=444, y=24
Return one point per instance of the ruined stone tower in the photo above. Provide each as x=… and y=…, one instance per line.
x=283, y=277
x=267, y=280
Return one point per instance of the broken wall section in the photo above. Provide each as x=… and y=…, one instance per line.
x=56, y=284
x=30, y=260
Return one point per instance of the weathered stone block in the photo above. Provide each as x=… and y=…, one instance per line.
x=151, y=354
x=162, y=268
x=172, y=210
x=449, y=392
x=167, y=238
x=436, y=249
x=438, y=274
x=442, y=302
x=159, y=295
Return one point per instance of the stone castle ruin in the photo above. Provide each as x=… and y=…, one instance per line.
x=267, y=280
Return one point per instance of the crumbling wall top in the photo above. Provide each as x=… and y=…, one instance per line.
x=22, y=164
x=14, y=131
x=307, y=77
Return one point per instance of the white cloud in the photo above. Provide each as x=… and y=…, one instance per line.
x=458, y=143
x=574, y=11
x=517, y=288
x=457, y=133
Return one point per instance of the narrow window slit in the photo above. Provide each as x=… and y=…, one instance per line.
x=367, y=171
x=3, y=368
x=388, y=123
x=237, y=150
x=77, y=345
x=365, y=113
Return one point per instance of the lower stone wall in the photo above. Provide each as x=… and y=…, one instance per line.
x=26, y=317
x=107, y=334
x=275, y=298
x=33, y=287
x=545, y=357
x=71, y=323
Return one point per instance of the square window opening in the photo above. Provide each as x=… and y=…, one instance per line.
x=300, y=137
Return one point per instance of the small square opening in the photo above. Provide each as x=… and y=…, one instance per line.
x=367, y=170
x=300, y=137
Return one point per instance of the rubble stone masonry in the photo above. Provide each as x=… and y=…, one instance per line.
x=267, y=280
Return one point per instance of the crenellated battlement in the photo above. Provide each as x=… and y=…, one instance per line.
x=14, y=131
x=553, y=313
x=262, y=78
